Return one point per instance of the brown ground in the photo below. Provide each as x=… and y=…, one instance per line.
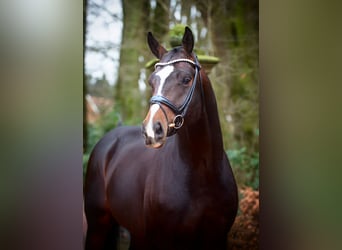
x=244, y=233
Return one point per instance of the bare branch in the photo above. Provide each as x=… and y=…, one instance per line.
x=95, y=8
x=104, y=48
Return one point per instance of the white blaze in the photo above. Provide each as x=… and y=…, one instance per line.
x=163, y=75
x=149, y=127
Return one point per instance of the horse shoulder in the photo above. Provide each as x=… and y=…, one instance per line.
x=110, y=149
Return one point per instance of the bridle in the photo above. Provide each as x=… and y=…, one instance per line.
x=180, y=111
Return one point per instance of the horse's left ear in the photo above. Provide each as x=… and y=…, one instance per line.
x=188, y=40
x=155, y=47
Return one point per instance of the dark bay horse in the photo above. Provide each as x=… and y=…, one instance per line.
x=168, y=182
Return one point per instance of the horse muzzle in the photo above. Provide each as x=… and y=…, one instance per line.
x=155, y=127
x=155, y=136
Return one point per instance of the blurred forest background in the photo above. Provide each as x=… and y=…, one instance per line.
x=116, y=54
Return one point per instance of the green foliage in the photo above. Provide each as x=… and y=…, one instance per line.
x=97, y=130
x=85, y=162
x=176, y=35
x=245, y=166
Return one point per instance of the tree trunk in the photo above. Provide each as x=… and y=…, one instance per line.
x=160, y=20
x=218, y=20
x=229, y=23
x=128, y=98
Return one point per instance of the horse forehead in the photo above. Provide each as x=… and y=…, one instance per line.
x=163, y=74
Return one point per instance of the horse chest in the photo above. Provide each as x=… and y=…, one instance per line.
x=167, y=193
x=176, y=208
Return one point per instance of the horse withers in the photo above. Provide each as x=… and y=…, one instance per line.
x=169, y=182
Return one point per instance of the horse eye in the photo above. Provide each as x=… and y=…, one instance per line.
x=186, y=80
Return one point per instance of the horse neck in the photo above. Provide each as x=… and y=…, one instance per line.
x=202, y=141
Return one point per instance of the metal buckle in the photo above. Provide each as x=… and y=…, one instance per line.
x=177, y=122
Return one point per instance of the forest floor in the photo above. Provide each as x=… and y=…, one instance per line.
x=244, y=233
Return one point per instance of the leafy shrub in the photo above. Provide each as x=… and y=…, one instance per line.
x=97, y=130
x=245, y=166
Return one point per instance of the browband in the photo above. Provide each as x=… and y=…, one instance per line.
x=176, y=61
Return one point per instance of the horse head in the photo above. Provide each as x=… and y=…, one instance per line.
x=174, y=91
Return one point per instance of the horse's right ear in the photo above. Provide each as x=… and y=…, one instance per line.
x=155, y=47
x=188, y=40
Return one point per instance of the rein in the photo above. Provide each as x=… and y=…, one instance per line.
x=180, y=112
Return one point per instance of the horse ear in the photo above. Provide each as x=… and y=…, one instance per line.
x=188, y=40
x=155, y=47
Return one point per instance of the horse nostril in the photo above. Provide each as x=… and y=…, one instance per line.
x=158, y=130
x=148, y=140
x=143, y=131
